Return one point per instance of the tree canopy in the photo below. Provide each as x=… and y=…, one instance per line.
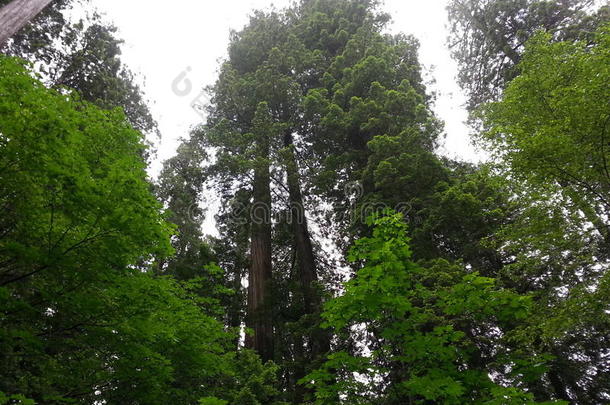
x=353, y=263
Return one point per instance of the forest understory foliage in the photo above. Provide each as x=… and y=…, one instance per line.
x=449, y=282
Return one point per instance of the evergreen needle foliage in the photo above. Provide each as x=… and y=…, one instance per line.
x=449, y=283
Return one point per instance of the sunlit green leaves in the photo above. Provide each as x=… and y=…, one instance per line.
x=417, y=323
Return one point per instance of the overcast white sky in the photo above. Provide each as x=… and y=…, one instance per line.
x=164, y=40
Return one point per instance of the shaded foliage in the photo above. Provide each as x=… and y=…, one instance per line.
x=488, y=37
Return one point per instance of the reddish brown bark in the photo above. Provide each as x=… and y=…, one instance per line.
x=260, y=315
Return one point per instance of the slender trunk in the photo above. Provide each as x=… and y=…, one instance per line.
x=260, y=317
x=16, y=14
x=558, y=386
x=234, y=311
x=305, y=256
x=299, y=370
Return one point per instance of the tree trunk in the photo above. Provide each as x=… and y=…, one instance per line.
x=260, y=316
x=236, y=302
x=16, y=14
x=305, y=257
x=558, y=386
x=299, y=371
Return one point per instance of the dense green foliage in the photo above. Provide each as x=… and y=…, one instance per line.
x=417, y=327
x=549, y=133
x=83, y=320
x=447, y=282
